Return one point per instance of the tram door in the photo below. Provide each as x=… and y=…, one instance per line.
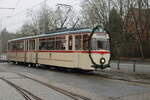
x=32, y=51
x=25, y=49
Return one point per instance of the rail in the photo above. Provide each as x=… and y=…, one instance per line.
x=26, y=94
x=62, y=91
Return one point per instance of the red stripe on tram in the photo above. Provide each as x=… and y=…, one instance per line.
x=98, y=52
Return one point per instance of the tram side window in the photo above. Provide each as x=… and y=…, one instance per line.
x=32, y=45
x=94, y=44
x=60, y=43
x=70, y=43
x=11, y=46
x=85, y=42
x=14, y=46
x=19, y=45
x=51, y=44
x=78, y=42
x=43, y=44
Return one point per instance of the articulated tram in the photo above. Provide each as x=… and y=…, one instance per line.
x=70, y=49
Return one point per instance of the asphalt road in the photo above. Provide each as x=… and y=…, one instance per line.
x=94, y=84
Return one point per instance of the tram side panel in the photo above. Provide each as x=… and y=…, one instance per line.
x=16, y=53
x=20, y=46
x=12, y=55
x=84, y=61
x=63, y=58
x=59, y=58
x=20, y=56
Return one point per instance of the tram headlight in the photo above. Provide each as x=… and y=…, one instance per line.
x=102, y=61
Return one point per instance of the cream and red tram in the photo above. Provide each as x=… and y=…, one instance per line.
x=65, y=49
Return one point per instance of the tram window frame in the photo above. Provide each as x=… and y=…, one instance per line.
x=43, y=44
x=78, y=46
x=11, y=46
x=19, y=45
x=31, y=44
x=51, y=43
x=85, y=41
x=60, y=43
x=70, y=42
x=14, y=46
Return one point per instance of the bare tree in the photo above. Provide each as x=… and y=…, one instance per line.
x=133, y=14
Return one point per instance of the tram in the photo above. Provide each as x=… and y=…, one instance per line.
x=69, y=49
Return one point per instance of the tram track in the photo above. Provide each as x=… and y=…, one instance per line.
x=111, y=75
x=25, y=94
x=74, y=96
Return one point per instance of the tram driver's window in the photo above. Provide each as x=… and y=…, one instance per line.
x=99, y=45
x=78, y=42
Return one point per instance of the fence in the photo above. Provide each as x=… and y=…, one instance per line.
x=131, y=65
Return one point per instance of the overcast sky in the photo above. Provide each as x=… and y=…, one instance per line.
x=13, y=19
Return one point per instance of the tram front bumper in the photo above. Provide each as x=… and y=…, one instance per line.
x=100, y=66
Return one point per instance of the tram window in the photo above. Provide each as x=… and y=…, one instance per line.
x=43, y=44
x=78, y=42
x=100, y=44
x=10, y=46
x=60, y=43
x=94, y=44
x=13, y=46
x=19, y=45
x=85, y=42
x=32, y=45
x=51, y=44
x=106, y=45
x=70, y=43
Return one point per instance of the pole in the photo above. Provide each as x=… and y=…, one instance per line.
x=134, y=65
x=118, y=65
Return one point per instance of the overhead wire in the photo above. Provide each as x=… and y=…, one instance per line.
x=74, y=2
x=36, y=5
x=23, y=11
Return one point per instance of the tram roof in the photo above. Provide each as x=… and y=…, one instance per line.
x=56, y=33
